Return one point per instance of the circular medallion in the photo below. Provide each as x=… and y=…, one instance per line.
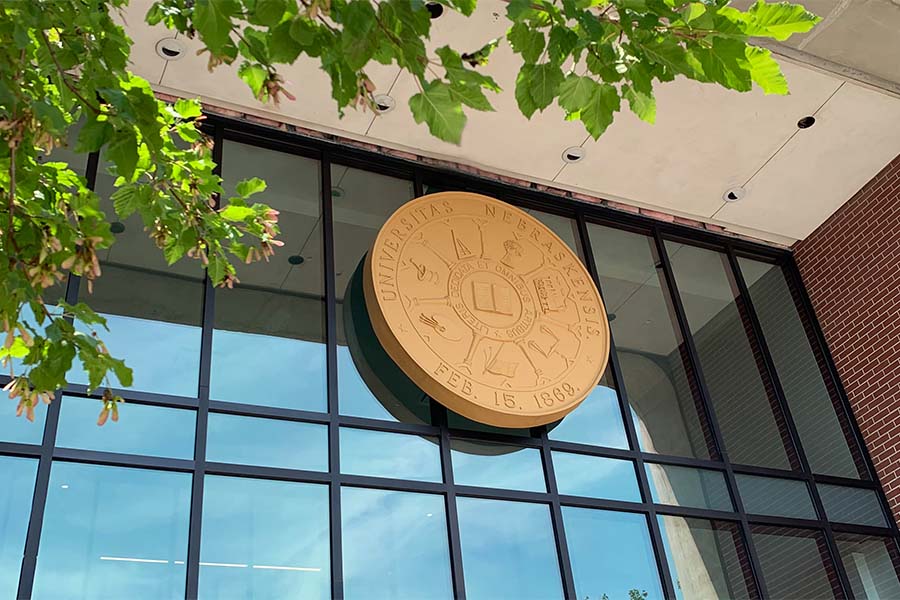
x=486, y=309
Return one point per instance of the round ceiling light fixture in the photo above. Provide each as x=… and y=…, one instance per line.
x=806, y=122
x=734, y=194
x=435, y=9
x=337, y=192
x=573, y=154
x=170, y=49
x=117, y=227
x=296, y=259
x=384, y=103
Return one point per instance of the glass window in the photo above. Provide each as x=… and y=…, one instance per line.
x=611, y=555
x=16, y=489
x=362, y=202
x=795, y=563
x=595, y=477
x=112, y=532
x=20, y=430
x=707, y=559
x=508, y=550
x=851, y=505
x=267, y=442
x=822, y=424
x=273, y=324
x=686, y=486
x=777, y=497
x=485, y=464
x=597, y=421
x=564, y=227
x=872, y=565
x=655, y=366
x=742, y=395
x=150, y=430
x=412, y=559
x=395, y=455
x=264, y=539
x=153, y=319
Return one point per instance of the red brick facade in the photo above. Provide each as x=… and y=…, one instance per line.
x=851, y=268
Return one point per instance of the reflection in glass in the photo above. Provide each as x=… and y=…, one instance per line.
x=872, y=565
x=412, y=559
x=508, y=550
x=395, y=455
x=19, y=429
x=564, y=227
x=16, y=489
x=273, y=324
x=362, y=202
x=707, y=559
x=655, y=366
x=811, y=394
x=795, y=563
x=687, y=486
x=112, y=532
x=154, y=323
x=150, y=430
x=595, y=477
x=776, y=497
x=744, y=399
x=485, y=464
x=264, y=539
x=597, y=421
x=851, y=505
x=267, y=442
x=611, y=554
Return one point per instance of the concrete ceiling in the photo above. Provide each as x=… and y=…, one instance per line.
x=706, y=140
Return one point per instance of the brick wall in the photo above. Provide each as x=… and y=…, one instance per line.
x=851, y=268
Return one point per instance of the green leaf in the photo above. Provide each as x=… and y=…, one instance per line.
x=575, y=92
x=764, y=70
x=597, y=115
x=283, y=48
x=526, y=41
x=93, y=135
x=254, y=75
x=480, y=57
x=357, y=40
x=725, y=63
x=188, y=109
x=562, y=42
x=693, y=11
x=545, y=82
x=436, y=106
x=216, y=268
x=123, y=152
x=129, y=198
x=466, y=7
x=779, y=20
x=523, y=91
x=248, y=187
x=470, y=95
x=269, y=12
x=212, y=20
x=642, y=104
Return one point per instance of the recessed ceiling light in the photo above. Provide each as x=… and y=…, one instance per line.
x=436, y=9
x=573, y=154
x=170, y=49
x=611, y=317
x=296, y=259
x=117, y=227
x=734, y=194
x=806, y=122
x=384, y=103
x=337, y=192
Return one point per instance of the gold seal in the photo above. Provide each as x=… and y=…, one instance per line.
x=486, y=309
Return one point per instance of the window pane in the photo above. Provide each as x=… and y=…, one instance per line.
x=16, y=489
x=686, y=486
x=655, y=366
x=564, y=227
x=412, y=559
x=611, y=554
x=273, y=325
x=777, y=497
x=150, y=430
x=707, y=559
x=264, y=539
x=508, y=550
x=595, y=477
x=485, y=464
x=153, y=319
x=811, y=394
x=597, y=421
x=872, y=565
x=112, y=532
x=362, y=202
x=267, y=442
x=19, y=429
x=395, y=455
x=795, y=563
x=851, y=505
x=744, y=399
